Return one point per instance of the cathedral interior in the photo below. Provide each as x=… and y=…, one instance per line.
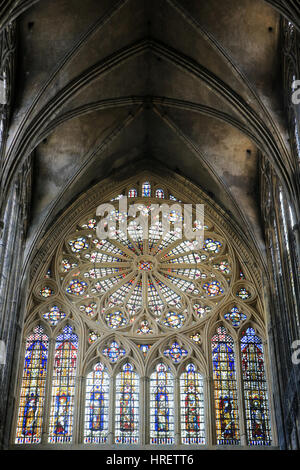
x=127, y=343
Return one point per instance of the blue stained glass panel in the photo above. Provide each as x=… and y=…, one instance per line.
x=32, y=396
x=63, y=387
x=161, y=406
x=96, y=405
x=255, y=389
x=225, y=388
x=127, y=406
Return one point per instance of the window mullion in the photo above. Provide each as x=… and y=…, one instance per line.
x=79, y=410
x=112, y=406
x=240, y=389
x=177, y=411
x=48, y=392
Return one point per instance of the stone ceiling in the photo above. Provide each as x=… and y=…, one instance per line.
x=193, y=85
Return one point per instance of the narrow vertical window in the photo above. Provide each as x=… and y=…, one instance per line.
x=146, y=189
x=255, y=389
x=161, y=406
x=127, y=406
x=96, y=405
x=132, y=192
x=29, y=424
x=192, y=407
x=225, y=391
x=63, y=386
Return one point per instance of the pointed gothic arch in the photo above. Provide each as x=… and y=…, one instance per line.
x=108, y=289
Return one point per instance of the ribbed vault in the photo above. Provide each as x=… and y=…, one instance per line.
x=106, y=84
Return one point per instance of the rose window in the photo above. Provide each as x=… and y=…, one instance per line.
x=143, y=320
x=145, y=286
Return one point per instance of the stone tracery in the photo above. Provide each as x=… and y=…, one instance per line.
x=138, y=301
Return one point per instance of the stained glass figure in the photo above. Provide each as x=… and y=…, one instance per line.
x=63, y=386
x=175, y=352
x=146, y=189
x=96, y=405
x=76, y=287
x=90, y=224
x=235, y=317
x=225, y=388
x=192, y=406
x=223, y=266
x=114, y=352
x=132, y=193
x=115, y=320
x=127, y=406
x=144, y=348
x=161, y=406
x=201, y=310
x=46, y=292
x=67, y=265
x=174, y=320
x=159, y=193
x=243, y=294
x=78, y=244
x=255, y=389
x=54, y=315
x=93, y=336
x=213, y=288
x=196, y=337
x=212, y=245
x=32, y=396
x=89, y=310
x=144, y=328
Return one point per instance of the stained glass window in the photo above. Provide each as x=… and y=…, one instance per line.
x=192, y=406
x=113, y=352
x=54, y=315
x=243, y=294
x=90, y=224
x=30, y=416
x=213, y=288
x=89, y=310
x=76, y=287
x=63, y=386
x=115, y=320
x=225, y=388
x=153, y=300
x=93, y=336
x=223, y=266
x=146, y=189
x=159, y=193
x=96, y=405
x=144, y=348
x=67, y=265
x=255, y=389
x=78, y=244
x=161, y=406
x=132, y=193
x=174, y=320
x=144, y=328
x=175, y=352
x=235, y=316
x=201, y=310
x=212, y=245
x=46, y=291
x=127, y=406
